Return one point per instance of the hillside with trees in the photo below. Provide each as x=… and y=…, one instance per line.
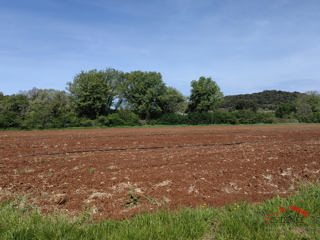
x=268, y=100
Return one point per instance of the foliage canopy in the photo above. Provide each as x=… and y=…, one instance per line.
x=144, y=93
x=205, y=95
x=94, y=91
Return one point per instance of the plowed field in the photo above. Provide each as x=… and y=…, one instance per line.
x=95, y=169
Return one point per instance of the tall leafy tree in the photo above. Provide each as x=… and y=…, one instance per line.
x=313, y=99
x=144, y=93
x=30, y=93
x=94, y=91
x=205, y=95
x=2, y=100
x=12, y=110
x=49, y=108
x=174, y=101
x=19, y=104
x=9, y=119
x=1, y=96
x=308, y=103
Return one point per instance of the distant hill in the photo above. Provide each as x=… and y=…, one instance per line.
x=268, y=99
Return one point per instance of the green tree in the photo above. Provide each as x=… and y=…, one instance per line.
x=94, y=92
x=285, y=109
x=246, y=104
x=313, y=99
x=308, y=103
x=49, y=108
x=2, y=102
x=12, y=110
x=205, y=95
x=144, y=93
x=17, y=103
x=9, y=119
x=174, y=101
x=1, y=96
x=30, y=93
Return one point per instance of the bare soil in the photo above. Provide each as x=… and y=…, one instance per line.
x=95, y=169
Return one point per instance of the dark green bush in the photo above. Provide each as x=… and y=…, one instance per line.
x=111, y=120
x=230, y=118
x=315, y=117
x=85, y=122
x=121, y=118
x=129, y=118
x=217, y=117
x=285, y=109
x=9, y=119
x=172, y=119
x=196, y=118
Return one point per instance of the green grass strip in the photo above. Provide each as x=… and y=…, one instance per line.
x=18, y=220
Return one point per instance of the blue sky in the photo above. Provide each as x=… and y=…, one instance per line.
x=246, y=46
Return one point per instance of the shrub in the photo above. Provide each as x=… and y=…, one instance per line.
x=123, y=117
x=85, y=122
x=230, y=118
x=129, y=118
x=172, y=119
x=315, y=117
x=9, y=119
x=285, y=109
x=196, y=118
x=246, y=117
x=111, y=120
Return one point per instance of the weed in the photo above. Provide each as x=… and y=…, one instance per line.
x=50, y=174
x=133, y=199
x=91, y=170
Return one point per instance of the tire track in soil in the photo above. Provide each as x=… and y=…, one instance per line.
x=150, y=148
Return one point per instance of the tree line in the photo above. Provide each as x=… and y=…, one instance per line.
x=114, y=98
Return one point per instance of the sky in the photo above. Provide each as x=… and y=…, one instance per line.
x=245, y=46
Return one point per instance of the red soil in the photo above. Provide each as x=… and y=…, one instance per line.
x=259, y=163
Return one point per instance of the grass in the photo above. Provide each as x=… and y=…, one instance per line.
x=21, y=223
x=152, y=126
x=249, y=222
x=236, y=221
